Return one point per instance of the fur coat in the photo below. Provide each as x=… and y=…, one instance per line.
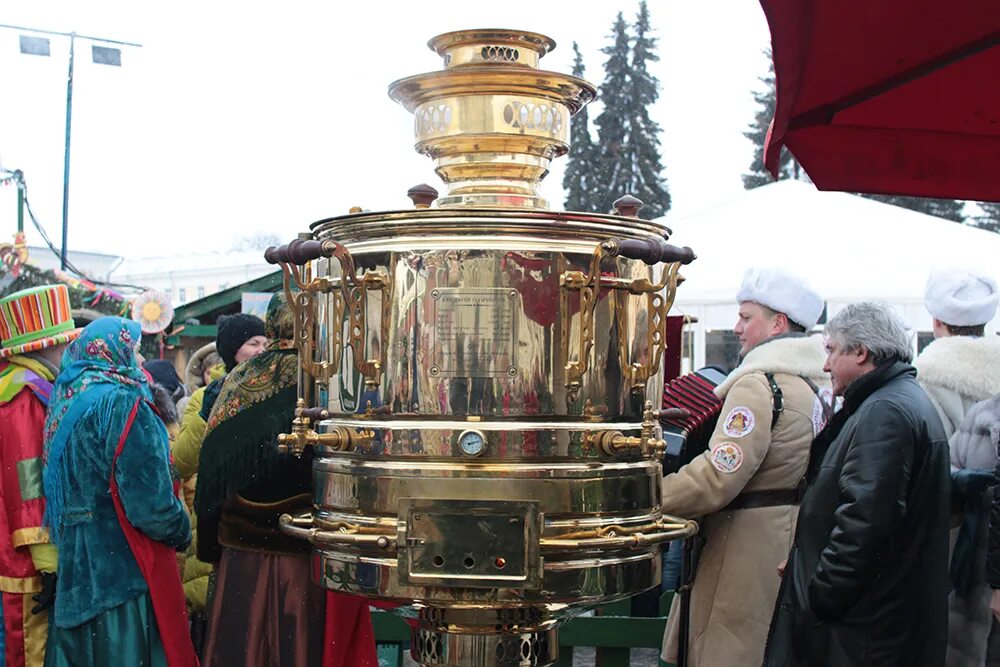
x=957, y=372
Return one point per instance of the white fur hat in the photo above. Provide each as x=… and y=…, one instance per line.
x=961, y=298
x=784, y=292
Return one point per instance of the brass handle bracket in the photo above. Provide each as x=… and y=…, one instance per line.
x=667, y=528
x=303, y=527
x=660, y=298
x=351, y=299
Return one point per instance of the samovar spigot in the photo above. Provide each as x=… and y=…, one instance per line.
x=648, y=443
x=339, y=438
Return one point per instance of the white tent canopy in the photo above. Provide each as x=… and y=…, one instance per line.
x=848, y=247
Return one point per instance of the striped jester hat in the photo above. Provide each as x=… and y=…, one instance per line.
x=35, y=319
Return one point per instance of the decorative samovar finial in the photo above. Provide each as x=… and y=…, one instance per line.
x=491, y=120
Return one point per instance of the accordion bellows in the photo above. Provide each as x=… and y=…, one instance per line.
x=695, y=393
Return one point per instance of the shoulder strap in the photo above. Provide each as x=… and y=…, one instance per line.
x=827, y=407
x=777, y=399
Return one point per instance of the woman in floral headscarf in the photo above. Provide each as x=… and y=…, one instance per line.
x=112, y=512
x=266, y=612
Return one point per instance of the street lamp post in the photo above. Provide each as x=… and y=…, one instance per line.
x=69, y=126
x=102, y=55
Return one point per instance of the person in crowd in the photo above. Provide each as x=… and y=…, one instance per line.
x=112, y=511
x=165, y=375
x=265, y=611
x=748, y=483
x=240, y=337
x=973, y=634
x=959, y=369
x=204, y=366
x=962, y=365
x=35, y=327
x=993, y=539
x=866, y=582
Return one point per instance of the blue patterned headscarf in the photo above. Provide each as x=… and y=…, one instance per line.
x=98, y=363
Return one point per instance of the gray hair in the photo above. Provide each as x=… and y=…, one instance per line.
x=873, y=326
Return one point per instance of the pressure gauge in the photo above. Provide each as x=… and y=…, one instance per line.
x=472, y=443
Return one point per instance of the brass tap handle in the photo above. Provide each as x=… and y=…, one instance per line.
x=313, y=414
x=340, y=438
x=615, y=443
x=648, y=250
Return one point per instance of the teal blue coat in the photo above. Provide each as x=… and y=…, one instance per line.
x=97, y=571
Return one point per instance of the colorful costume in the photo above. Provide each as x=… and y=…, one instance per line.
x=266, y=612
x=119, y=598
x=30, y=321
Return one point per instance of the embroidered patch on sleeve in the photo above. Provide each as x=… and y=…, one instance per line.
x=739, y=422
x=726, y=457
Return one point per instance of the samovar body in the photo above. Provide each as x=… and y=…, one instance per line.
x=476, y=385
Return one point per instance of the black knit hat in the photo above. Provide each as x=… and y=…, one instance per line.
x=234, y=330
x=164, y=374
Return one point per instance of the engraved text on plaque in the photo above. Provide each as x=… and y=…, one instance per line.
x=475, y=332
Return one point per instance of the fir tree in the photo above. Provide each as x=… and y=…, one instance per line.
x=580, y=179
x=642, y=139
x=614, y=178
x=950, y=209
x=990, y=217
x=788, y=166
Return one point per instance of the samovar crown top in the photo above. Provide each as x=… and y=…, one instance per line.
x=491, y=46
x=491, y=119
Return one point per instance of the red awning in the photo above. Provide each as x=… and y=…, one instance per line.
x=889, y=96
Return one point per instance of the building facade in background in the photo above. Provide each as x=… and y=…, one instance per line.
x=187, y=278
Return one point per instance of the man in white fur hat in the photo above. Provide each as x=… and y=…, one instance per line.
x=748, y=484
x=959, y=369
x=961, y=366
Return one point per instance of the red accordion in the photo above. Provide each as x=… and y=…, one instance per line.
x=688, y=436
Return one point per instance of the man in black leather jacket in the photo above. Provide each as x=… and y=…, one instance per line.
x=866, y=580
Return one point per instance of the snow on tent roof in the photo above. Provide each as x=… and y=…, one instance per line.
x=847, y=247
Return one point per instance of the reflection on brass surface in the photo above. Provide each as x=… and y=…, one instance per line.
x=485, y=455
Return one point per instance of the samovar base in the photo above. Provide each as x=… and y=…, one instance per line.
x=432, y=648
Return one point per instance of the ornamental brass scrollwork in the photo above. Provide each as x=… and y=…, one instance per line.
x=650, y=251
x=659, y=306
x=350, y=298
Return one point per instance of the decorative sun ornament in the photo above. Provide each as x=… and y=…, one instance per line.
x=153, y=312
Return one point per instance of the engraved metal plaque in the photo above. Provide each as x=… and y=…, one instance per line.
x=470, y=544
x=475, y=332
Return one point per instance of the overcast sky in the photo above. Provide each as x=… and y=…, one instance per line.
x=242, y=118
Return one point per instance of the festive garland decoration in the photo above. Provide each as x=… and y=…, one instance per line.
x=82, y=293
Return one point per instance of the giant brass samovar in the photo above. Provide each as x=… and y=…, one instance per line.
x=477, y=375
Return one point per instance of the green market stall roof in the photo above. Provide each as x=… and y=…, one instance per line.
x=207, y=311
